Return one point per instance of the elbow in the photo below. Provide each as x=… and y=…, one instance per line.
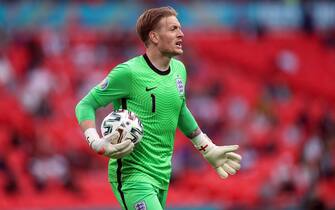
x=77, y=109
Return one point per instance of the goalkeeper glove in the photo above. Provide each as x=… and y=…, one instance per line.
x=104, y=146
x=222, y=158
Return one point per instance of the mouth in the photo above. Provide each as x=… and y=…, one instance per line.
x=179, y=44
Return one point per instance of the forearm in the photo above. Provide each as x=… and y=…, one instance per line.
x=85, y=110
x=187, y=123
x=195, y=133
x=86, y=124
x=85, y=113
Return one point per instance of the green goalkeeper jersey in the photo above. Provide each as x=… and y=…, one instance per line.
x=158, y=99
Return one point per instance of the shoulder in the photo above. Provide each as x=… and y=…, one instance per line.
x=178, y=64
x=179, y=67
x=126, y=67
x=133, y=62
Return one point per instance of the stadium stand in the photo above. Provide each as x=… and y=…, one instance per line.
x=273, y=93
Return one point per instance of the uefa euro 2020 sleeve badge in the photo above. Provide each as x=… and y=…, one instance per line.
x=104, y=84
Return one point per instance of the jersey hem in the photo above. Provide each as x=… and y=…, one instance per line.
x=141, y=178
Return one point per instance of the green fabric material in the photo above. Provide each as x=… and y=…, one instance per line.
x=186, y=123
x=140, y=194
x=85, y=109
x=159, y=102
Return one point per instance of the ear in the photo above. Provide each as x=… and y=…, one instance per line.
x=153, y=36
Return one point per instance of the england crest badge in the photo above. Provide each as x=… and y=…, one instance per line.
x=180, y=86
x=140, y=206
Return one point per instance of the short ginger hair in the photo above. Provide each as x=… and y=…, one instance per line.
x=149, y=19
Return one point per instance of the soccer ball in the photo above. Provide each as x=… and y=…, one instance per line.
x=126, y=119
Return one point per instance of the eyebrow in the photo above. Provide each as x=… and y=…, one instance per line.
x=174, y=25
x=169, y=25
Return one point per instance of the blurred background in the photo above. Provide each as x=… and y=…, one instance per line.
x=260, y=74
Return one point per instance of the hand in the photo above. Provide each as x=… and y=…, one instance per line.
x=104, y=146
x=222, y=158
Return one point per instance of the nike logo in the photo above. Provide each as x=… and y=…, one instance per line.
x=148, y=89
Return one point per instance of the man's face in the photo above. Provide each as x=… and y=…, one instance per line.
x=169, y=36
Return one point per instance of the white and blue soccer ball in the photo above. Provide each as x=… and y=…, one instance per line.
x=127, y=120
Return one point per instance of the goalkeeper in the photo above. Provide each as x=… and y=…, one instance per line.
x=152, y=86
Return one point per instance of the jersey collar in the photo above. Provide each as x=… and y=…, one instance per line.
x=154, y=68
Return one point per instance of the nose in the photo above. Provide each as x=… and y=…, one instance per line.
x=180, y=34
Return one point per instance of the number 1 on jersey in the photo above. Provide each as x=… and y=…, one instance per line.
x=153, y=100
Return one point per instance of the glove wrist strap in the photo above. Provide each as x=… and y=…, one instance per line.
x=91, y=135
x=203, y=143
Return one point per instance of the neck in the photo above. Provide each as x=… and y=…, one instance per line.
x=159, y=60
